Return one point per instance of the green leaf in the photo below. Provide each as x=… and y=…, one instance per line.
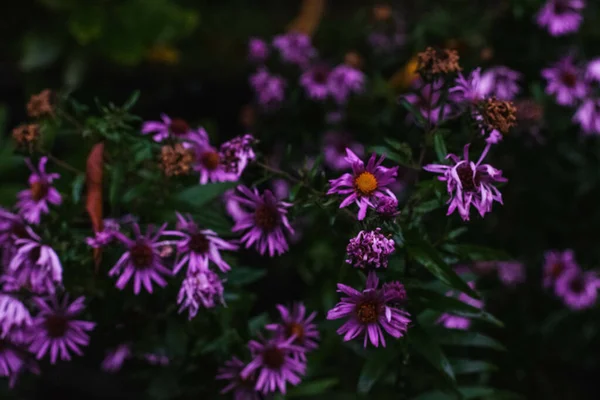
x=77, y=188
x=200, y=195
x=429, y=205
x=375, y=367
x=255, y=324
x=413, y=111
x=176, y=338
x=402, y=158
x=116, y=180
x=464, y=366
x=164, y=386
x=439, y=146
x=476, y=253
x=422, y=343
x=241, y=276
x=86, y=23
x=312, y=388
x=452, y=337
x=132, y=100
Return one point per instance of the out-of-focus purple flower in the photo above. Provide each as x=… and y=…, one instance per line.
x=384, y=43
x=142, y=260
x=199, y=246
x=258, y=50
x=14, y=357
x=162, y=129
x=33, y=202
x=207, y=160
x=469, y=183
x=106, y=235
x=578, y=289
x=592, y=70
x=588, y=116
x=452, y=321
x=556, y=263
x=334, y=149
x=275, y=363
x=200, y=288
x=511, y=273
x=565, y=81
x=269, y=89
x=157, y=359
x=370, y=312
x=295, y=48
x=343, y=81
x=314, y=81
x=369, y=248
x=426, y=101
x=561, y=17
x=501, y=82
x=236, y=153
x=387, y=207
x=114, y=359
x=468, y=90
x=56, y=331
x=12, y=227
x=281, y=188
x=232, y=206
x=264, y=219
x=294, y=322
x=13, y=314
x=365, y=185
x=242, y=388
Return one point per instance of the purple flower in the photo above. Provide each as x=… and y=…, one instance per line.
x=469, y=183
x=561, y=17
x=365, y=184
x=269, y=89
x=578, y=289
x=556, y=263
x=232, y=206
x=157, y=358
x=12, y=227
x=511, y=273
x=106, y=235
x=235, y=154
x=294, y=48
x=201, y=287
x=427, y=100
x=295, y=323
x=384, y=43
x=142, y=259
x=264, y=222
x=163, y=129
x=369, y=248
x=500, y=82
x=334, y=149
x=207, y=160
x=33, y=202
x=452, y=321
x=258, y=50
x=56, y=331
x=14, y=357
x=565, y=81
x=468, y=90
x=592, y=70
x=115, y=358
x=387, y=207
x=281, y=188
x=13, y=314
x=314, y=81
x=275, y=363
x=343, y=81
x=370, y=311
x=242, y=388
x=588, y=116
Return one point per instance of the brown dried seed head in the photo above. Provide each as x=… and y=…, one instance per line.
x=498, y=114
x=433, y=62
x=26, y=135
x=40, y=104
x=176, y=160
x=382, y=12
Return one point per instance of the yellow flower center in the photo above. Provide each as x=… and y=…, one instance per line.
x=366, y=183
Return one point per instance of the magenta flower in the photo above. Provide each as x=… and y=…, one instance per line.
x=275, y=363
x=370, y=312
x=426, y=101
x=343, y=81
x=334, y=149
x=511, y=273
x=142, y=259
x=556, y=263
x=501, y=82
x=14, y=358
x=232, y=206
x=588, y=116
x=295, y=48
x=106, y=235
x=263, y=219
x=269, y=89
x=242, y=388
x=161, y=130
x=366, y=184
x=235, y=155
x=258, y=50
x=202, y=288
x=468, y=90
x=157, y=358
x=314, y=81
x=56, y=331
x=14, y=315
x=387, y=207
x=369, y=248
x=294, y=322
x=33, y=202
x=578, y=289
x=115, y=358
x=451, y=321
x=12, y=227
x=592, y=70
x=565, y=81
x=207, y=160
x=469, y=183
x=561, y=17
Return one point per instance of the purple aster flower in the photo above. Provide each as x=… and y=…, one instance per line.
x=294, y=322
x=56, y=331
x=561, y=17
x=281, y=188
x=33, y=202
x=511, y=273
x=426, y=101
x=200, y=288
x=162, y=129
x=588, y=116
x=295, y=48
x=274, y=363
x=468, y=90
x=343, y=81
x=578, y=289
x=592, y=70
x=451, y=321
x=232, y=206
x=199, y=246
x=236, y=153
x=469, y=183
x=269, y=89
x=314, y=81
x=369, y=248
x=115, y=358
x=370, y=312
x=12, y=227
x=13, y=314
x=264, y=222
x=258, y=50
x=334, y=149
x=387, y=207
x=207, y=160
x=500, y=82
x=556, y=263
x=565, y=81
x=365, y=184
x=106, y=235
x=14, y=357
x=242, y=388
x=142, y=259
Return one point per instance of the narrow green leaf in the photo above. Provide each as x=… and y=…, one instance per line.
x=453, y=337
x=464, y=366
x=132, y=100
x=116, y=180
x=376, y=365
x=255, y=324
x=476, y=253
x=422, y=343
x=240, y=276
x=312, y=388
x=439, y=146
x=77, y=188
x=200, y=195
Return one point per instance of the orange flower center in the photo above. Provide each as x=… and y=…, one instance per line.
x=367, y=313
x=210, y=160
x=366, y=183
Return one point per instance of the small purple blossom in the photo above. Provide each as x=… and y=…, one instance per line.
x=269, y=89
x=451, y=321
x=14, y=357
x=592, y=70
x=366, y=184
x=556, y=263
x=258, y=50
x=161, y=130
x=469, y=183
x=207, y=160
x=106, y=235
x=202, y=288
x=235, y=154
x=343, y=81
x=12, y=227
x=295, y=48
x=588, y=116
x=14, y=315
x=578, y=289
x=115, y=358
x=33, y=202
x=314, y=81
x=242, y=388
x=157, y=358
x=334, y=149
x=387, y=207
x=369, y=248
x=561, y=17
x=511, y=273
x=371, y=312
x=263, y=218
x=295, y=322
x=501, y=82
x=468, y=90
x=426, y=101
x=565, y=81
x=56, y=331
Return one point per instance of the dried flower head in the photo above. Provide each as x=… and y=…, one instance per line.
x=433, y=62
x=176, y=159
x=40, y=104
x=382, y=12
x=500, y=115
x=26, y=135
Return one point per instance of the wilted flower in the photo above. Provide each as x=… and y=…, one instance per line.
x=242, y=388
x=294, y=48
x=426, y=100
x=314, y=81
x=565, y=81
x=387, y=207
x=334, y=149
x=588, y=116
x=295, y=323
x=114, y=359
x=269, y=89
x=511, y=273
x=437, y=62
x=369, y=248
x=556, y=263
x=26, y=135
x=343, y=81
x=200, y=288
x=370, y=312
x=500, y=82
x=452, y=321
x=40, y=104
x=176, y=159
x=33, y=202
x=561, y=17
x=55, y=329
x=496, y=115
x=258, y=50
x=578, y=289
x=161, y=130
x=365, y=184
x=235, y=154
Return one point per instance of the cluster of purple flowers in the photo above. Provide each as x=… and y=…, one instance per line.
x=561, y=17
x=276, y=360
